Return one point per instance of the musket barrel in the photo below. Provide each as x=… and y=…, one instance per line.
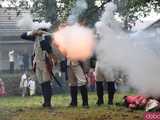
x=47, y=33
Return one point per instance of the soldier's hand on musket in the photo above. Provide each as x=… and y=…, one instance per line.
x=41, y=32
x=38, y=32
x=34, y=32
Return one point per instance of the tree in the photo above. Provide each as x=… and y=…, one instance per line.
x=132, y=10
x=49, y=10
x=92, y=14
x=44, y=10
x=25, y=4
x=58, y=10
x=64, y=9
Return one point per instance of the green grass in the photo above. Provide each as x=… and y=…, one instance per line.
x=29, y=108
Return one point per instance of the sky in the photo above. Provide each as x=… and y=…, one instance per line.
x=146, y=21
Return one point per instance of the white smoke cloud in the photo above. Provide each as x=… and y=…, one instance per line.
x=79, y=7
x=134, y=55
x=26, y=22
x=76, y=42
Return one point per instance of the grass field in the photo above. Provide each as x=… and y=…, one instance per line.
x=29, y=108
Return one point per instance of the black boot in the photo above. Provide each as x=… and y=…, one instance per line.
x=73, y=93
x=100, y=93
x=84, y=94
x=47, y=93
x=111, y=91
x=47, y=102
x=110, y=98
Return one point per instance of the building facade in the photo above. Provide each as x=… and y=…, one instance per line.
x=10, y=39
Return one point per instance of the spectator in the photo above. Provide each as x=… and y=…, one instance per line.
x=24, y=84
x=2, y=88
x=32, y=86
x=11, y=60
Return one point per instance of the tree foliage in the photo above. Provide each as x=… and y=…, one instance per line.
x=64, y=9
x=44, y=10
x=25, y=4
x=58, y=10
x=132, y=10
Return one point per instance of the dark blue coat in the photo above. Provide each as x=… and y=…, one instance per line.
x=45, y=44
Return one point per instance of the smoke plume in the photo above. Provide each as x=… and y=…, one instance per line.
x=26, y=22
x=79, y=7
x=131, y=53
x=75, y=41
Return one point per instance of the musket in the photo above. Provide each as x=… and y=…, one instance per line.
x=54, y=77
x=46, y=33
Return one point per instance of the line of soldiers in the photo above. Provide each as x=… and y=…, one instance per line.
x=43, y=62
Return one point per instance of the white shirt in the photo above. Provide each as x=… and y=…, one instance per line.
x=24, y=82
x=31, y=84
x=11, y=56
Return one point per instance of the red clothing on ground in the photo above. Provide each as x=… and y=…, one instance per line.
x=135, y=101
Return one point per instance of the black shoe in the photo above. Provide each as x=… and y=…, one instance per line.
x=110, y=103
x=86, y=106
x=72, y=106
x=100, y=103
x=46, y=105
